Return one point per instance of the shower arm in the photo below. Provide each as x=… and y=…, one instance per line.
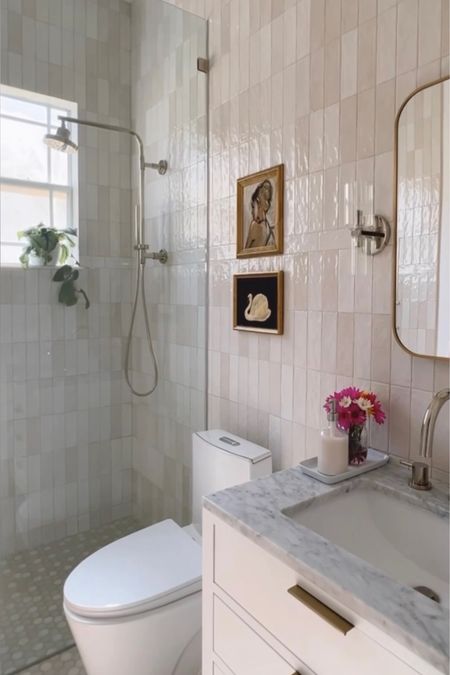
x=161, y=167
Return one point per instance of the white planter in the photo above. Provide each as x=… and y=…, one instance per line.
x=36, y=261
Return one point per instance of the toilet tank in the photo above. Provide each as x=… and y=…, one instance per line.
x=221, y=460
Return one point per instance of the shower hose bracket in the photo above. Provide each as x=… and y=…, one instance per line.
x=162, y=255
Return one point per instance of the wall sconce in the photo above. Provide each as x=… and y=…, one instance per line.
x=371, y=233
x=371, y=239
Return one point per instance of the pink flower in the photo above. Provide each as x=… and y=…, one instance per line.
x=354, y=406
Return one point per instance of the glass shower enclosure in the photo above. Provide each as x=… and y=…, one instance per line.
x=82, y=460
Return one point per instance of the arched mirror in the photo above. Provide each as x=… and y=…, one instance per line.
x=422, y=214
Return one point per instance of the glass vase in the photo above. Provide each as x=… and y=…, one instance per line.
x=357, y=444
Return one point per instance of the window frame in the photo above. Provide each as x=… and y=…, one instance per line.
x=50, y=103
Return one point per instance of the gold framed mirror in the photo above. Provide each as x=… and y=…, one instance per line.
x=421, y=312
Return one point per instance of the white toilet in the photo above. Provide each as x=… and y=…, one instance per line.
x=134, y=606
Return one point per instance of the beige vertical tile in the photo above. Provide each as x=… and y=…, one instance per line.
x=381, y=348
x=348, y=129
x=331, y=199
x=399, y=417
x=430, y=15
x=422, y=373
x=331, y=136
x=348, y=63
x=405, y=84
x=346, y=283
x=383, y=184
x=277, y=45
x=366, y=124
x=441, y=374
x=400, y=365
x=332, y=20
x=316, y=131
x=317, y=23
x=345, y=337
x=385, y=113
x=317, y=64
x=349, y=15
x=329, y=342
x=407, y=27
x=303, y=28
x=363, y=345
x=445, y=23
x=332, y=83
x=290, y=35
x=367, y=10
x=367, y=45
x=386, y=44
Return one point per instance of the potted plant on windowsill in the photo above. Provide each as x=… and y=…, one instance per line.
x=46, y=245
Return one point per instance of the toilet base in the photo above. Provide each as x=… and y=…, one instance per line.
x=163, y=641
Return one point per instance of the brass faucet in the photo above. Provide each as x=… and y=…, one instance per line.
x=420, y=471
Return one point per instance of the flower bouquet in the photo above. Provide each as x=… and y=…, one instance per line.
x=354, y=407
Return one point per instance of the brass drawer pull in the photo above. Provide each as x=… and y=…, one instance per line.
x=325, y=612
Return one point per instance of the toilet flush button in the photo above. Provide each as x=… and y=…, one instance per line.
x=230, y=441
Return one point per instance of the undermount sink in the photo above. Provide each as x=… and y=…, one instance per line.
x=406, y=542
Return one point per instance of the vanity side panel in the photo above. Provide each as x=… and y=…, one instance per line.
x=259, y=583
x=207, y=593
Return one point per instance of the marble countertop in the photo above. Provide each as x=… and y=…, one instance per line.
x=256, y=510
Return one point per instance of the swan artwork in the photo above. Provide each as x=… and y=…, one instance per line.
x=258, y=308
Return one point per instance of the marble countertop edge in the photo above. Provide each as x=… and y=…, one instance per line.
x=256, y=510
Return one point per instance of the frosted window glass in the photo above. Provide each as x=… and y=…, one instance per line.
x=23, y=154
x=60, y=211
x=22, y=208
x=23, y=109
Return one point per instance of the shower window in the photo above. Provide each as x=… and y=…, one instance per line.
x=36, y=184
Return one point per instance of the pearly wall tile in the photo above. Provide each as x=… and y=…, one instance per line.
x=429, y=21
x=349, y=43
x=386, y=51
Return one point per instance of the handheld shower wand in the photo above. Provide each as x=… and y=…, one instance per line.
x=60, y=140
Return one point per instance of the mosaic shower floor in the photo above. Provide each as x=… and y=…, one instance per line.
x=66, y=663
x=32, y=623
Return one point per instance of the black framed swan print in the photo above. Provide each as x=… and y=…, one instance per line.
x=258, y=302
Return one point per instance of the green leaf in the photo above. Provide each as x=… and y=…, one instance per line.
x=24, y=259
x=63, y=253
x=64, y=273
x=87, y=303
x=67, y=295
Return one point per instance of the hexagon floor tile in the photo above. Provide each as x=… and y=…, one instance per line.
x=32, y=623
x=66, y=663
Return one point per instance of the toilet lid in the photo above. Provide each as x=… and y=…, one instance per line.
x=142, y=571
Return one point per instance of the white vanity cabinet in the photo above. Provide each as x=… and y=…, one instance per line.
x=261, y=618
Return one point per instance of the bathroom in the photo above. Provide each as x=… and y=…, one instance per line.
x=312, y=85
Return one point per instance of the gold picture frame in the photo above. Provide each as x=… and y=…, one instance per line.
x=260, y=200
x=258, y=302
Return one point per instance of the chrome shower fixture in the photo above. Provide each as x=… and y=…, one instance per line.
x=160, y=166
x=61, y=140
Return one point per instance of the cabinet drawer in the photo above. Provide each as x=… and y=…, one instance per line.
x=260, y=583
x=243, y=651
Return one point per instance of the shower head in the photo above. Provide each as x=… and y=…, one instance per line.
x=60, y=140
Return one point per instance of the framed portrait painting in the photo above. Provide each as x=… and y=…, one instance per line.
x=260, y=213
x=258, y=302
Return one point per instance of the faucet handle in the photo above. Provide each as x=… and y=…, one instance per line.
x=420, y=478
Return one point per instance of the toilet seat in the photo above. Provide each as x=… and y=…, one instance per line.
x=140, y=572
